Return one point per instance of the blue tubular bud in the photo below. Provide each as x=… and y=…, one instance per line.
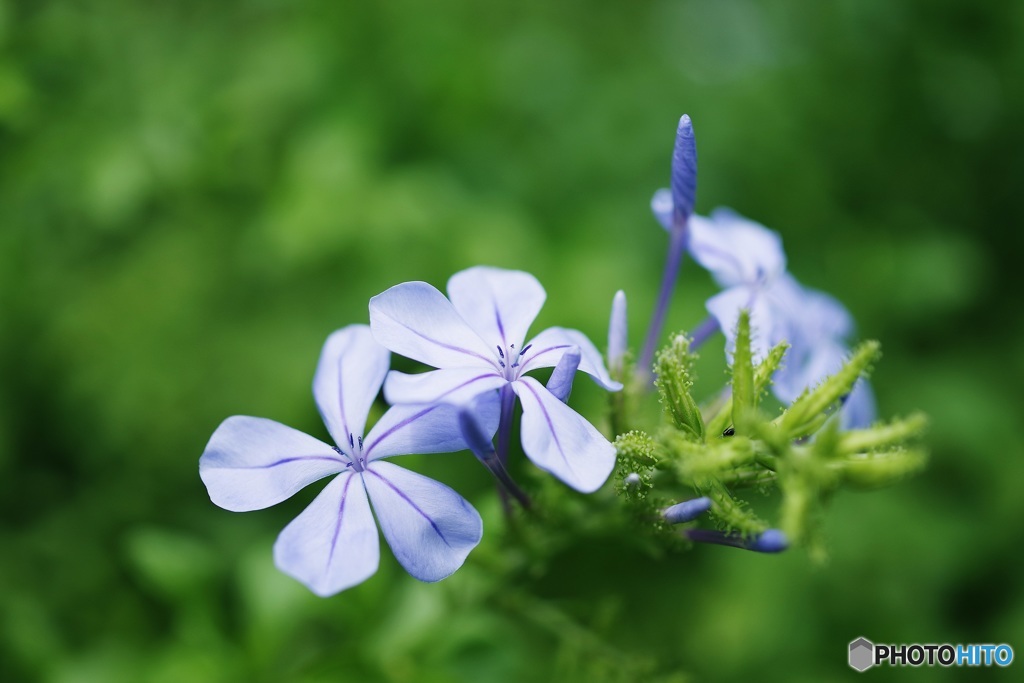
x=769, y=541
x=617, y=335
x=684, y=172
x=683, y=193
x=686, y=511
x=560, y=384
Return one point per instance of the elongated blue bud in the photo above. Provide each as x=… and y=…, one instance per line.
x=560, y=384
x=683, y=194
x=686, y=511
x=769, y=541
x=684, y=172
x=617, y=335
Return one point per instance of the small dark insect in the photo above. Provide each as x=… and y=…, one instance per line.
x=729, y=431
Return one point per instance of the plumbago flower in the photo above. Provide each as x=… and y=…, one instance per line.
x=476, y=341
x=748, y=261
x=820, y=352
x=252, y=463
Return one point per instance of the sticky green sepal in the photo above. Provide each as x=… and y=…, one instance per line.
x=762, y=379
x=804, y=416
x=675, y=377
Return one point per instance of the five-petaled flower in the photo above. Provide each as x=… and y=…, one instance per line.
x=748, y=261
x=252, y=463
x=476, y=339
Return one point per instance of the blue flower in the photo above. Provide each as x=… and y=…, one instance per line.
x=252, y=463
x=477, y=341
x=748, y=261
x=818, y=350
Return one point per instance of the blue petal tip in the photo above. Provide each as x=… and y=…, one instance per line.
x=771, y=541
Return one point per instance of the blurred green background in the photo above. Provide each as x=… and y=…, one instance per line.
x=193, y=195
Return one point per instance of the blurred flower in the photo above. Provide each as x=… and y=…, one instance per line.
x=748, y=261
x=476, y=339
x=252, y=463
x=817, y=351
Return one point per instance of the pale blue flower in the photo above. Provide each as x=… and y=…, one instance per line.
x=818, y=350
x=252, y=463
x=477, y=341
x=748, y=261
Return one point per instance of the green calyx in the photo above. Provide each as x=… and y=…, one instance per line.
x=800, y=458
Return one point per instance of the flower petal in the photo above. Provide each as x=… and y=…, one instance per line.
x=546, y=349
x=415, y=320
x=807, y=366
x=821, y=315
x=560, y=382
x=736, y=250
x=661, y=207
x=252, y=463
x=434, y=428
x=858, y=411
x=499, y=304
x=351, y=369
x=333, y=544
x=768, y=324
x=559, y=440
x=430, y=527
x=456, y=386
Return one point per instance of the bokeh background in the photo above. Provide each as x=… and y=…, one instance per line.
x=193, y=195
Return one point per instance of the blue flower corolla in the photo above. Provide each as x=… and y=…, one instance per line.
x=475, y=337
x=748, y=261
x=819, y=351
x=252, y=463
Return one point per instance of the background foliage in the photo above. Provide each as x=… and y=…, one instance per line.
x=193, y=195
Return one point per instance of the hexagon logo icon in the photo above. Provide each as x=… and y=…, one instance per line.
x=862, y=654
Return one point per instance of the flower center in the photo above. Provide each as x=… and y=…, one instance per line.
x=510, y=360
x=357, y=461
